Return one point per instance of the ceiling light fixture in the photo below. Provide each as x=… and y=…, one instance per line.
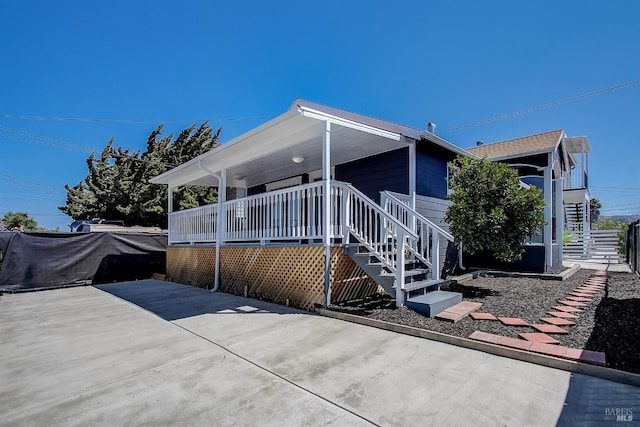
x=297, y=159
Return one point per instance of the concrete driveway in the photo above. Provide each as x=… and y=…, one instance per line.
x=157, y=353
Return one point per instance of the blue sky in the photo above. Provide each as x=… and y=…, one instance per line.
x=133, y=64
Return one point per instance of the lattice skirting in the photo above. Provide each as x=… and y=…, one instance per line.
x=192, y=265
x=278, y=274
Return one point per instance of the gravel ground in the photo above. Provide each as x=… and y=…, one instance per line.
x=610, y=323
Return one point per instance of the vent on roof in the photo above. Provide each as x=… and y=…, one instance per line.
x=431, y=127
x=479, y=143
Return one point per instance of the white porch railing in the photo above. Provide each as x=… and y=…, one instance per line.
x=288, y=214
x=197, y=225
x=427, y=246
x=296, y=214
x=382, y=234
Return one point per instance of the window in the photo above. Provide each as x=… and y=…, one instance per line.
x=317, y=175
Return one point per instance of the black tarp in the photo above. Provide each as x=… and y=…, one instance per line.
x=34, y=260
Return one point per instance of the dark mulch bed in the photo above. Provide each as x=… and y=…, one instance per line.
x=610, y=323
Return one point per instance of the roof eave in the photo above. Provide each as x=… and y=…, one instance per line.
x=526, y=154
x=444, y=144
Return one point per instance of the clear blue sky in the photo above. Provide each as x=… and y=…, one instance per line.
x=450, y=62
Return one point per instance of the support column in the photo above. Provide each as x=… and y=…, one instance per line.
x=559, y=217
x=170, y=199
x=169, y=211
x=413, y=177
x=326, y=210
x=220, y=224
x=548, y=194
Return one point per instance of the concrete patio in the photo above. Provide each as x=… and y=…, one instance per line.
x=157, y=353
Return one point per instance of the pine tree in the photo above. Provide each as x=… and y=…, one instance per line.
x=117, y=185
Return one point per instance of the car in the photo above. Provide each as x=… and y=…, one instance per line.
x=83, y=225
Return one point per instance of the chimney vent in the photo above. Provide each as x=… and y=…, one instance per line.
x=431, y=127
x=479, y=143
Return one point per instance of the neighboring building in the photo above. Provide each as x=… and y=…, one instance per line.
x=559, y=166
x=320, y=205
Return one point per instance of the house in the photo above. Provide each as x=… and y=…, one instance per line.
x=318, y=205
x=559, y=166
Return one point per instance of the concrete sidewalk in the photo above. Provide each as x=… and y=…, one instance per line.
x=156, y=353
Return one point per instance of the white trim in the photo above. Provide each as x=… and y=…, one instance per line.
x=284, y=183
x=447, y=178
x=319, y=115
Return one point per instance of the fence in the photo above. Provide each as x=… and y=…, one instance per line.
x=594, y=245
x=633, y=246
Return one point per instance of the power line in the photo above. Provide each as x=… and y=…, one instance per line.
x=50, y=141
x=540, y=107
x=31, y=185
x=129, y=121
x=58, y=143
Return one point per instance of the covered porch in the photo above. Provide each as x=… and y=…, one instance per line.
x=277, y=188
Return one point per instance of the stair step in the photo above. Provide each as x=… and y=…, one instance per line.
x=421, y=284
x=434, y=302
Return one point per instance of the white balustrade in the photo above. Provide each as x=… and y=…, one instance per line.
x=197, y=225
x=288, y=214
x=427, y=247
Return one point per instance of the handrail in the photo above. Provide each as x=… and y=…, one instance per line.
x=382, y=234
x=427, y=247
x=378, y=208
x=422, y=218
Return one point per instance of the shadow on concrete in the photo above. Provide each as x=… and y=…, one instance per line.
x=593, y=402
x=173, y=301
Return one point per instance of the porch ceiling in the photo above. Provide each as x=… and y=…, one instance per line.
x=265, y=154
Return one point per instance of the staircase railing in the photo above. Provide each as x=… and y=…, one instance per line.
x=381, y=233
x=427, y=246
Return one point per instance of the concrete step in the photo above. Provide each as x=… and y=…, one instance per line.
x=434, y=302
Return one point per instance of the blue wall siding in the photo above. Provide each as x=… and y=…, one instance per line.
x=431, y=170
x=386, y=171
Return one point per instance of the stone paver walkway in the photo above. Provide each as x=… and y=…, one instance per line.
x=563, y=315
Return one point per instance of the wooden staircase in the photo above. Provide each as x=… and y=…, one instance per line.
x=574, y=217
x=404, y=257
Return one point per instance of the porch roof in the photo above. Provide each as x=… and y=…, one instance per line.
x=266, y=153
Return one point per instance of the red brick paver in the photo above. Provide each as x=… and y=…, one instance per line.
x=538, y=337
x=579, y=299
x=549, y=329
x=557, y=321
x=576, y=354
x=548, y=349
x=566, y=309
x=562, y=314
x=581, y=294
x=449, y=316
x=486, y=337
x=458, y=311
x=514, y=343
x=482, y=316
x=513, y=321
x=572, y=303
